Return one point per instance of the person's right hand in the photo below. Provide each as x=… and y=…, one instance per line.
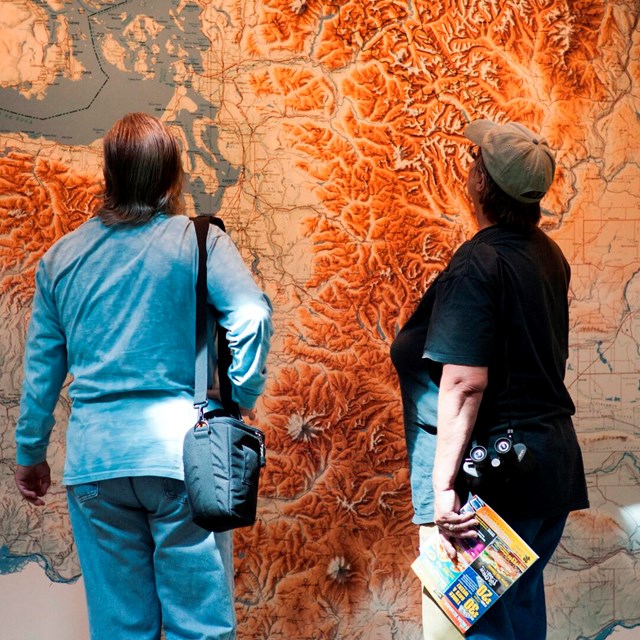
x=451, y=523
x=33, y=482
x=250, y=414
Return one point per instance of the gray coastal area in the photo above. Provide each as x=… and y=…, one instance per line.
x=78, y=112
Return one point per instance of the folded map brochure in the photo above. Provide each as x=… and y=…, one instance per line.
x=485, y=568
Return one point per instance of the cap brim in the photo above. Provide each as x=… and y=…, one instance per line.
x=478, y=130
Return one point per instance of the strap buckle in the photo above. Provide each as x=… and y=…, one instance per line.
x=201, y=421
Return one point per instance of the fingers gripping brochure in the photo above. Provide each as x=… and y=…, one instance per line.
x=485, y=568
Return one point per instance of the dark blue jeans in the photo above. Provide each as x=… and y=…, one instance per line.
x=521, y=613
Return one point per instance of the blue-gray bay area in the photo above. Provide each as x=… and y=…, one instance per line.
x=78, y=112
x=610, y=629
x=10, y=563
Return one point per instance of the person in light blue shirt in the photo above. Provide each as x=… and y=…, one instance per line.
x=114, y=307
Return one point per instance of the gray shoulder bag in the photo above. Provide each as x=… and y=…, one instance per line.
x=222, y=455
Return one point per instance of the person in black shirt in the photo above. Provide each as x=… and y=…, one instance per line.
x=484, y=357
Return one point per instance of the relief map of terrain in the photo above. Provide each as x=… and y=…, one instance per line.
x=328, y=135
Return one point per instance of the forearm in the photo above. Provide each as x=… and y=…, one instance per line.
x=245, y=312
x=249, y=342
x=461, y=390
x=40, y=391
x=459, y=397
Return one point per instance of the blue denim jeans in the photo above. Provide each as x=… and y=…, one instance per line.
x=146, y=566
x=521, y=613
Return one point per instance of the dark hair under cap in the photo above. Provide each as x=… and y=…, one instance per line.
x=500, y=208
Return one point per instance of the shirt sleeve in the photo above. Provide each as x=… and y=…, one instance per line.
x=245, y=312
x=462, y=327
x=45, y=369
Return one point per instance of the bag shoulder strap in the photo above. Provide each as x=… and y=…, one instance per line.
x=201, y=225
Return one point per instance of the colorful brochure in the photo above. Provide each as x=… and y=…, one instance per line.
x=485, y=568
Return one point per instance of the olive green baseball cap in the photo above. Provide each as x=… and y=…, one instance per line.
x=521, y=163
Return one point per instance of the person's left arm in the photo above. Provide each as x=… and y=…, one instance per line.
x=461, y=390
x=245, y=311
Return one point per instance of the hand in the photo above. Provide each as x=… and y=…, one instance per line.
x=33, y=482
x=451, y=523
x=248, y=413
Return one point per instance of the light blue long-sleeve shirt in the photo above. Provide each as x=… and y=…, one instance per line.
x=115, y=308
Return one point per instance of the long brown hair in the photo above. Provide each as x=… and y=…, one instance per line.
x=142, y=171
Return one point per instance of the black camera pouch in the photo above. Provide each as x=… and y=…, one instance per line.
x=500, y=461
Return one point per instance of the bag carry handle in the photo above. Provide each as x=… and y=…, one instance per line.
x=201, y=225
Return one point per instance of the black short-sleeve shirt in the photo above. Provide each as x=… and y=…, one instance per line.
x=500, y=303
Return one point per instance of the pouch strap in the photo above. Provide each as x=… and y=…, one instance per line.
x=201, y=225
